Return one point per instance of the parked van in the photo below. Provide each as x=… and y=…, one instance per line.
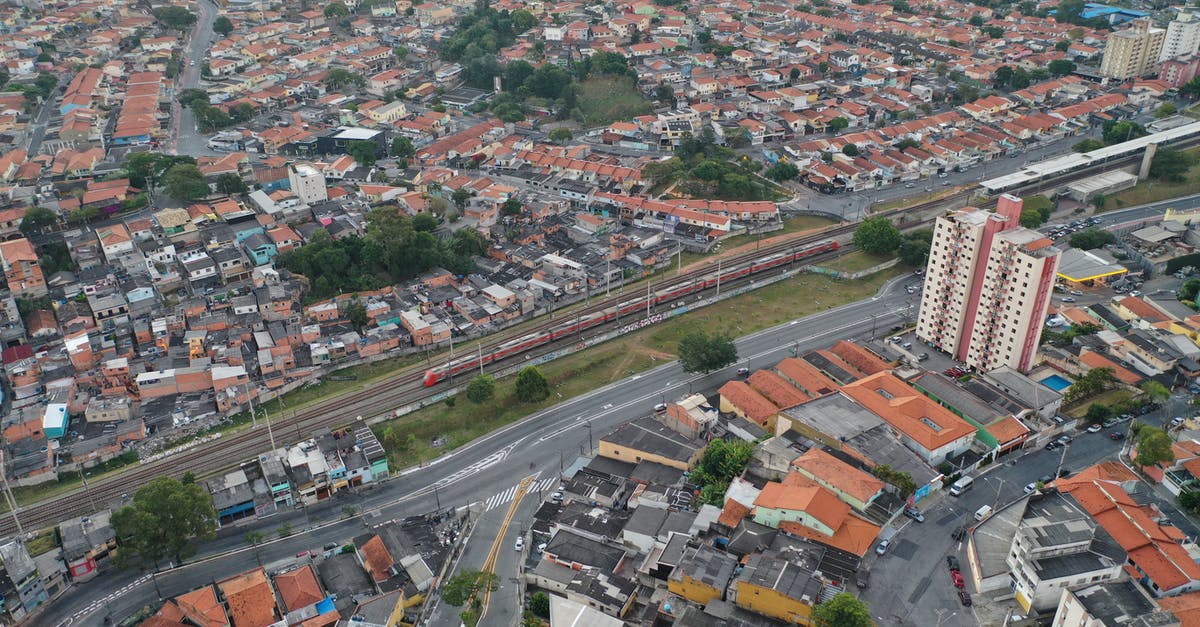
x=962, y=485
x=983, y=512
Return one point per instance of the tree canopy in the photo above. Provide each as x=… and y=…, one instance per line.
x=481, y=388
x=914, y=248
x=175, y=16
x=532, y=386
x=231, y=184
x=223, y=26
x=1090, y=383
x=162, y=520
x=877, y=235
x=1170, y=164
x=1153, y=447
x=37, y=217
x=336, y=9
x=842, y=610
x=1118, y=131
x=1088, y=239
x=402, y=148
x=392, y=250
x=365, y=152
x=702, y=352
x=185, y=181
x=721, y=462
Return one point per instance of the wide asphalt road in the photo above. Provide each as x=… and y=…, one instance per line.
x=485, y=468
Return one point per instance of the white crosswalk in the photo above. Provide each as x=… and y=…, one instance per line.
x=505, y=497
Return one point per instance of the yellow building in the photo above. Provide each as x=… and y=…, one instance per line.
x=647, y=439
x=779, y=588
x=702, y=575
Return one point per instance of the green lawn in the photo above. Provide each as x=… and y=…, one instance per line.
x=408, y=439
x=1109, y=397
x=855, y=261
x=607, y=99
x=914, y=200
x=1152, y=191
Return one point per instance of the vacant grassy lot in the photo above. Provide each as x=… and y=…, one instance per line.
x=409, y=438
x=1153, y=191
x=855, y=261
x=606, y=99
x=1110, y=397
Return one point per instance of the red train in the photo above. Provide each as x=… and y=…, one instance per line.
x=627, y=308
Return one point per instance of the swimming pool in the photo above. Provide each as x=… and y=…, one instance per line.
x=1056, y=383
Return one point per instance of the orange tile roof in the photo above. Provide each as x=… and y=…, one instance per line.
x=806, y=376
x=732, y=513
x=1185, y=607
x=1007, y=430
x=917, y=416
x=201, y=606
x=1151, y=548
x=859, y=357
x=837, y=475
x=1141, y=309
x=855, y=535
x=16, y=250
x=298, y=588
x=756, y=407
x=798, y=493
x=1092, y=359
x=250, y=598
x=776, y=389
x=376, y=558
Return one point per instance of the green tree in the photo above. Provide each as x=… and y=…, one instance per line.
x=185, y=182
x=1155, y=391
x=782, y=171
x=561, y=135
x=877, y=236
x=1060, y=67
x=511, y=207
x=223, y=26
x=191, y=96
x=242, y=112
x=1088, y=239
x=1164, y=110
x=1191, y=89
x=976, y=20
x=364, y=152
x=146, y=169
x=522, y=20
x=1090, y=383
x=1031, y=219
x=460, y=197
x=424, y=222
x=161, y=522
x=914, y=248
x=284, y=530
x=701, y=352
x=721, y=461
x=1117, y=131
x=36, y=218
x=356, y=313
x=1062, y=45
x=1097, y=413
x=842, y=610
x=1189, y=500
x=1153, y=447
x=481, y=388
x=838, y=124
x=532, y=386
x=175, y=16
x=1171, y=164
x=1088, y=145
x=850, y=150
x=254, y=539
x=539, y=604
x=402, y=148
x=1190, y=290
x=231, y=184
x=467, y=583
x=336, y=9
x=336, y=78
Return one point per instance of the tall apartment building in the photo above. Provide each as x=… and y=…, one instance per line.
x=1134, y=51
x=308, y=183
x=987, y=287
x=1183, y=36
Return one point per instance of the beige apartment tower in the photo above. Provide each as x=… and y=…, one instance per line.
x=987, y=289
x=1134, y=51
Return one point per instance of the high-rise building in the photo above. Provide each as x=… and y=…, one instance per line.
x=1134, y=51
x=987, y=287
x=1183, y=36
x=308, y=183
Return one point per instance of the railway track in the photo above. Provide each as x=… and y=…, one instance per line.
x=403, y=388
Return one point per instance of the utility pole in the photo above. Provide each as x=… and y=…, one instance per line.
x=480, y=344
x=718, y=277
x=607, y=276
x=270, y=433
x=88, y=492
x=449, y=370
x=648, y=282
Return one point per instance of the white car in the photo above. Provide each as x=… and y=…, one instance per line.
x=520, y=543
x=883, y=547
x=1031, y=488
x=1094, y=429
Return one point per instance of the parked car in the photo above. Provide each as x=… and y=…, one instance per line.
x=952, y=562
x=957, y=579
x=743, y=372
x=1064, y=439
x=1044, y=479
x=1176, y=421
x=1096, y=428
x=1030, y=488
x=1068, y=299
x=1075, y=293
x=862, y=578
x=520, y=543
x=557, y=497
x=1116, y=435
x=1110, y=422
x=914, y=514
x=965, y=598
x=660, y=407
x=882, y=548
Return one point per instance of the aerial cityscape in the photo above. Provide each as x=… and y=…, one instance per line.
x=368, y=313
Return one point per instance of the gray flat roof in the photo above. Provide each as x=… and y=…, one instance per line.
x=1082, y=265
x=1115, y=603
x=651, y=436
x=835, y=415
x=992, y=539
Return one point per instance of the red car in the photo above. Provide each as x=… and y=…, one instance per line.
x=957, y=578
